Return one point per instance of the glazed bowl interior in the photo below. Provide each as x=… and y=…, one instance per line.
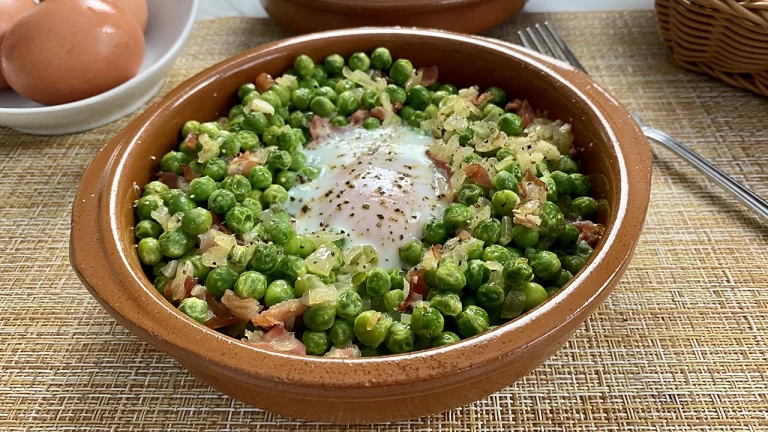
x=509, y=351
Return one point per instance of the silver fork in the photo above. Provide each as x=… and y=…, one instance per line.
x=540, y=37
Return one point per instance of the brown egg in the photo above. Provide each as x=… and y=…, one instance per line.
x=64, y=51
x=10, y=12
x=137, y=9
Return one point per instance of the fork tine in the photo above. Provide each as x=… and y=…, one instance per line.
x=555, y=52
x=535, y=40
x=563, y=47
x=524, y=39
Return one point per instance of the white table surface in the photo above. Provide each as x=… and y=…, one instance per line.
x=226, y=8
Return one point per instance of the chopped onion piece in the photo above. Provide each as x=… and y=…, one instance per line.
x=326, y=294
x=175, y=221
x=177, y=291
x=372, y=320
x=549, y=151
x=506, y=230
x=210, y=148
x=361, y=78
x=286, y=80
x=351, y=351
x=169, y=270
x=360, y=258
x=260, y=105
x=431, y=258
x=482, y=212
x=322, y=260
x=216, y=255
x=415, y=79
x=254, y=336
x=405, y=318
x=325, y=236
x=161, y=215
x=199, y=292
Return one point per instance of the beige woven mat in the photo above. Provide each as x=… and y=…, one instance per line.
x=682, y=343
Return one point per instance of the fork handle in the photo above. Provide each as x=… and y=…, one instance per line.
x=746, y=196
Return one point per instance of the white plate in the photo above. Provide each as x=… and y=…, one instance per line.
x=170, y=24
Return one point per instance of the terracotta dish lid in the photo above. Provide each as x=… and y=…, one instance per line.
x=464, y=16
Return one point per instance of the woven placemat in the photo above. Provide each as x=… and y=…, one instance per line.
x=681, y=344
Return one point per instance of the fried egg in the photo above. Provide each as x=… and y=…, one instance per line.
x=378, y=186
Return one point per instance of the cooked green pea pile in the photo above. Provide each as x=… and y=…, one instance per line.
x=214, y=234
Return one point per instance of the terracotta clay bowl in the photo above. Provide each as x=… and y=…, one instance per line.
x=615, y=154
x=464, y=16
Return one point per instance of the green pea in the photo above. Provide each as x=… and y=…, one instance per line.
x=271, y=135
x=426, y=321
x=322, y=106
x=284, y=93
x=316, y=342
x=473, y=158
x=319, y=74
x=381, y=58
x=264, y=258
x=304, y=66
x=195, y=308
x=276, y=120
x=255, y=122
x=277, y=292
x=456, y=215
x=396, y=94
x=172, y=162
x=504, y=201
x=535, y=294
x=410, y=252
x=359, y=61
x=334, y=63
x=286, y=179
x=496, y=253
x=344, y=85
x=370, y=99
x=499, y=96
x=296, y=120
x=493, y=110
x=419, y=97
x=472, y=321
x=584, y=206
x=155, y=188
x=582, y=248
x=407, y=113
x=171, y=195
x=431, y=111
x=274, y=195
x=245, y=90
x=564, y=277
x=309, y=83
x=201, y=188
x=176, y=243
x=513, y=305
x=159, y=283
x=349, y=304
x=148, y=229
x=311, y=172
x=215, y=168
x=545, y=265
x=517, y=272
x=372, y=328
x=573, y=263
x=488, y=230
x=149, y=251
x=450, y=277
x=511, y=124
x=466, y=135
x=260, y=177
x=191, y=126
x=301, y=97
x=291, y=267
x=146, y=205
x=477, y=273
x=396, y=278
x=199, y=270
x=240, y=220
x=252, y=204
x=567, y=165
x=279, y=160
x=320, y=317
x=328, y=93
x=371, y=123
x=339, y=121
x=251, y=284
x=392, y=299
x=448, y=88
x=524, y=237
x=196, y=221
x=438, y=96
x=449, y=304
x=249, y=98
x=490, y=295
x=347, y=103
x=221, y=279
x=341, y=333
x=505, y=180
x=377, y=282
x=400, y=338
x=401, y=71
x=435, y=231
x=221, y=201
x=470, y=193
x=552, y=220
x=281, y=233
x=181, y=204
x=445, y=338
x=580, y=185
x=211, y=129
x=300, y=246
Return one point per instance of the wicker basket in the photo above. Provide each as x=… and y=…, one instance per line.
x=727, y=39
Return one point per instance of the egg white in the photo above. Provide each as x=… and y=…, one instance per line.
x=378, y=186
